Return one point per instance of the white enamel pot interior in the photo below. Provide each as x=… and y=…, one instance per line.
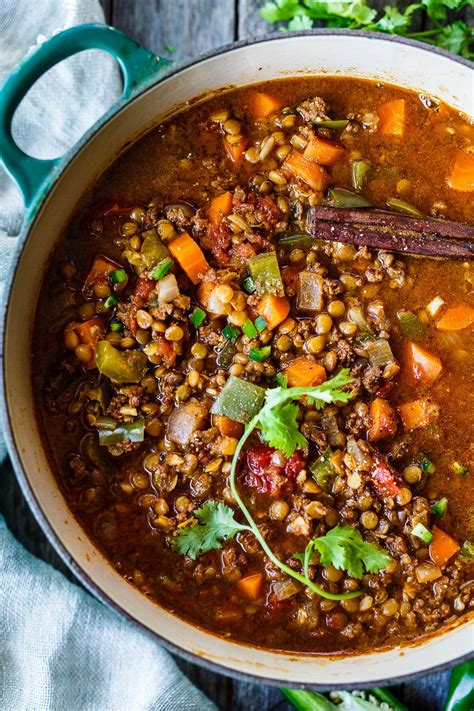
x=329, y=53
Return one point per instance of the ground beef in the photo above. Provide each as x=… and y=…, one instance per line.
x=312, y=109
x=371, y=378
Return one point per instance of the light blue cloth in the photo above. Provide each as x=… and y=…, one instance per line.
x=59, y=648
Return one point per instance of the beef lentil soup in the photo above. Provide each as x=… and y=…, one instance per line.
x=271, y=435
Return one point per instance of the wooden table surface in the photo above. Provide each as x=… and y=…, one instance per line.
x=192, y=27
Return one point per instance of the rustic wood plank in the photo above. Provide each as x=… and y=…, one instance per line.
x=190, y=27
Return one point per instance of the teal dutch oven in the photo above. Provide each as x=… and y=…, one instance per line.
x=152, y=90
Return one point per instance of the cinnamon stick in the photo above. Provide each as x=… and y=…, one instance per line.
x=422, y=236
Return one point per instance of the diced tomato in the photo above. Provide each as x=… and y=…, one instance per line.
x=144, y=288
x=275, y=607
x=295, y=464
x=384, y=480
x=259, y=458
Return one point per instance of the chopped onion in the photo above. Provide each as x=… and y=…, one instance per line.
x=331, y=428
x=184, y=421
x=426, y=572
x=285, y=589
x=310, y=292
x=356, y=315
x=362, y=459
x=434, y=306
x=167, y=289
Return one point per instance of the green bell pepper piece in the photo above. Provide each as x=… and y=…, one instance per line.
x=239, y=400
x=323, y=471
x=133, y=431
x=265, y=272
x=120, y=366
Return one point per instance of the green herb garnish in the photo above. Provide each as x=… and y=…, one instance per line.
x=248, y=285
x=249, y=329
x=422, y=533
x=162, y=268
x=197, y=317
x=215, y=524
x=118, y=276
x=230, y=333
x=111, y=301
x=259, y=354
x=440, y=507
x=260, y=324
x=427, y=466
x=460, y=469
x=277, y=423
x=453, y=34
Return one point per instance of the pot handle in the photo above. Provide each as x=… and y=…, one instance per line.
x=139, y=67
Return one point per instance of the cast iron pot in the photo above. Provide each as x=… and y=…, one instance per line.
x=51, y=189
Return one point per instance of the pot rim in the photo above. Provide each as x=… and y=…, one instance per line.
x=13, y=450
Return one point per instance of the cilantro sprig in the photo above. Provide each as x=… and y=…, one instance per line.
x=277, y=422
x=454, y=35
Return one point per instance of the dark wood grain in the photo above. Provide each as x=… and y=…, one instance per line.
x=194, y=26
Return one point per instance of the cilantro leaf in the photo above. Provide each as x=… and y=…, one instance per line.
x=215, y=524
x=277, y=420
x=393, y=21
x=279, y=429
x=437, y=9
x=448, y=32
x=279, y=10
x=457, y=38
x=345, y=549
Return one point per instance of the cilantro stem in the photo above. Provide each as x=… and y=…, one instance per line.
x=291, y=393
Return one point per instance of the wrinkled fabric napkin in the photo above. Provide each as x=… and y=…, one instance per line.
x=62, y=650
x=59, y=648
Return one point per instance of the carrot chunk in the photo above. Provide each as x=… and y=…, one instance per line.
x=462, y=174
x=251, y=585
x=456, y=318
x=228, y=427
x=304, y=372
x=418, y=413
x=101, y=267
x=384, y=420
x=190, y=257
x=274, y=310
x=262, y=104
x=425, y=366
x=442, y=547
x=235, y=151
x=392, y=118
x=219, y=207
x=322, y=151
x=307, y=170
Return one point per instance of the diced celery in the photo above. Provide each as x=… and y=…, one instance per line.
x=239, y=400
x=197, y=317
x=249, y=329
x=259, y=354
x=299, y=240
x=380, y=353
